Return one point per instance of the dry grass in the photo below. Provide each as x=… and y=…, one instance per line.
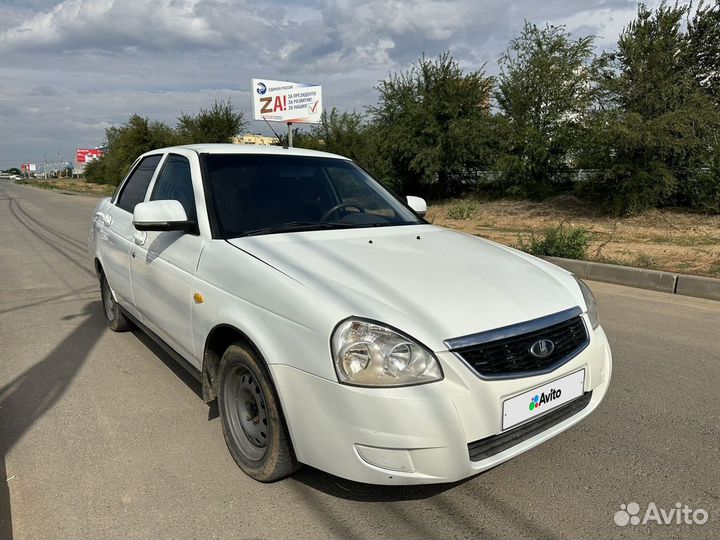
x=74, y=185
x=673, y=240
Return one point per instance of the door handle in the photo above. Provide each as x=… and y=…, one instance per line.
x=139, y=237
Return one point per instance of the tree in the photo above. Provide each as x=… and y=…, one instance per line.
x=703, y=57
x=653, y=141
x=545, y=92
x=434, y=124
x=703, y=47
x=124, y=144
x=218, y=124
x=341, y=133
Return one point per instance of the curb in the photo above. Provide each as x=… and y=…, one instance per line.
x=654, y=280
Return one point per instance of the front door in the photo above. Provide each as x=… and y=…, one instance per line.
x=163, y=264
x=117, y=230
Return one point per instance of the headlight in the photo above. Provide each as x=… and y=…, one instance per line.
x=592, y=309
x=368, y=354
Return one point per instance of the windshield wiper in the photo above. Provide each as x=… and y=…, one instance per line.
x=296, y=226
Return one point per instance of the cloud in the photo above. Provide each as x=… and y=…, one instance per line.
x=44, y=90
x=71, y=68
x=120, y=24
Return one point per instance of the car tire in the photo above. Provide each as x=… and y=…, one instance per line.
x=116, y=319
x=251, y=417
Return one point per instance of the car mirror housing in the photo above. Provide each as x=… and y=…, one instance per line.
x=161, y=216
x=418, y=204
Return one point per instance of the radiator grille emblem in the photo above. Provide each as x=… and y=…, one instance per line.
x=542, y=348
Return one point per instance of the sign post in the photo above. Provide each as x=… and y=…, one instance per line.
x=289, y=102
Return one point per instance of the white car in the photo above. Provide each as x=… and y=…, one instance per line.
x=334, y=325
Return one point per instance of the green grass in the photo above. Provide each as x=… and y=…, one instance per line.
x=462, y=210
x=687, y=241
x=643, y=260
x=558, y=241
x=83, y=188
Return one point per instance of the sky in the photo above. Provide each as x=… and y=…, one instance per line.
x=70, y=69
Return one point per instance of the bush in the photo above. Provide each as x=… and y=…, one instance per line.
x=218, y=124
x=703, y=191
x=558, y=241
x=462, y=210
x=124, y=144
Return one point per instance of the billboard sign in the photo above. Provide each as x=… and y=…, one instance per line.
x=283, y=101
x=28, y=167
x=86, y=155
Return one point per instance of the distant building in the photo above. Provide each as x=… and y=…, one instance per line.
x=254, y=138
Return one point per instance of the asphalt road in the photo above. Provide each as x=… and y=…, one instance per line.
x=101, y=435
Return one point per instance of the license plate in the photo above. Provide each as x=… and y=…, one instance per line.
x=541, y=399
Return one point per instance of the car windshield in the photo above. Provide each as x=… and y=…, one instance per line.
x=265, y=194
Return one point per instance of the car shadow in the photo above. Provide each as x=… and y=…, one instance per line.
x=26, y=398
x=310, y=484
x=191, y=382
x=359, y=492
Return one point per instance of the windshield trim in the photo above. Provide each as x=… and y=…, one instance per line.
x=339, y=227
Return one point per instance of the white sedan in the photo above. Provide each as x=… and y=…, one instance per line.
x=334, y=325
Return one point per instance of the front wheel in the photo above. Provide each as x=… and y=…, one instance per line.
x=116, y=319
x=252, y=420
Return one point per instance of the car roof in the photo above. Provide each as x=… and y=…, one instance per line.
x=248, y=149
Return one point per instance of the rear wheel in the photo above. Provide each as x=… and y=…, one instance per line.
x=252, y=421
x=116, y=319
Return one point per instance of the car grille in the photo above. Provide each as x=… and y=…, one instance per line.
x=488, y=447
x=505, y=353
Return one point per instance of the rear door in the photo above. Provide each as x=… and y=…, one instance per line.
x=163, y=263
x=118, y=228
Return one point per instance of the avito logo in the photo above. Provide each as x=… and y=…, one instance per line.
x=261, y=88
x=543, y=398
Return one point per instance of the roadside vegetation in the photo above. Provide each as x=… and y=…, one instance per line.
x=70, y=185
x=672, y=239
x=557, y=241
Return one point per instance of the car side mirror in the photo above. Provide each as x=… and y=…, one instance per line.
x=161, y=216
x=418, y=204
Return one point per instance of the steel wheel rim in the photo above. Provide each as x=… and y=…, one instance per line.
x=108, y=301
x=246, y=412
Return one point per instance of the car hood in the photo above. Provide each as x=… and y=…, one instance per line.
x=431, y=282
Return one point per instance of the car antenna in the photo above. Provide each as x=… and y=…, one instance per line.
x=275, y=132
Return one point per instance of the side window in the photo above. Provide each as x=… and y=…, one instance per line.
x=137, y=185
x=175, y=183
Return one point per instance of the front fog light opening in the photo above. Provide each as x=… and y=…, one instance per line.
x=391, y=459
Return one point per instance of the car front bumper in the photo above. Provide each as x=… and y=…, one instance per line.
x=420, y=434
